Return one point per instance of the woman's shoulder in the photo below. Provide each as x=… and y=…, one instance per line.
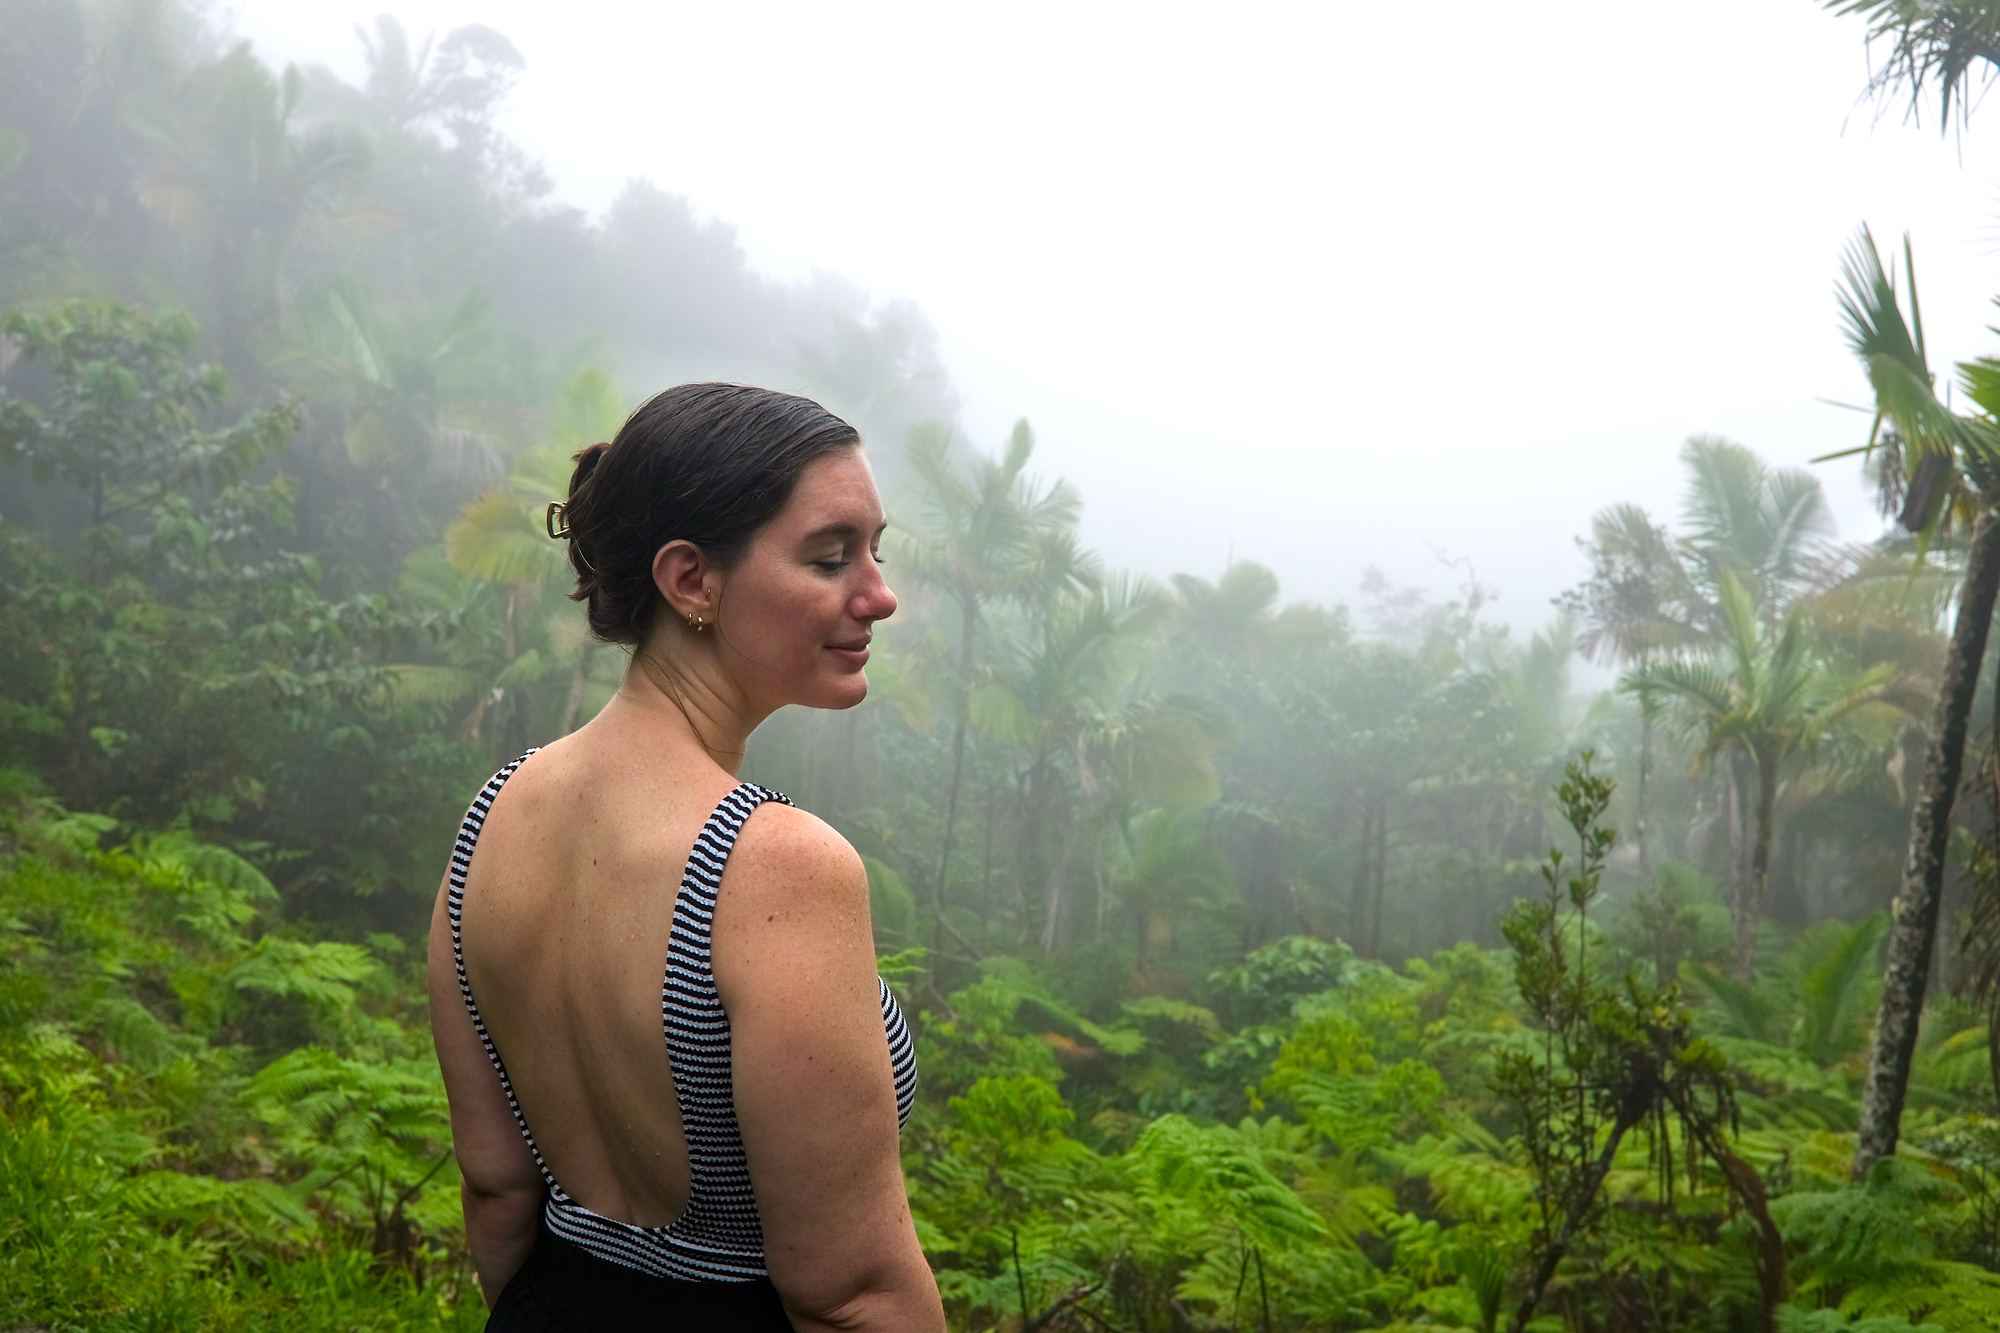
x=783, y=833
x=791, y=918
x=790, y=860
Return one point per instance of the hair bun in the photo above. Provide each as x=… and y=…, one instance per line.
x=586, y=461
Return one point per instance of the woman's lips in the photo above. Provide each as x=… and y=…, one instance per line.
x=851, y=654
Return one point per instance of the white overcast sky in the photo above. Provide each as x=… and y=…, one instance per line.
x=1322, y=285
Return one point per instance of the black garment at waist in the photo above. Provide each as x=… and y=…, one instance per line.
x=563, y=1288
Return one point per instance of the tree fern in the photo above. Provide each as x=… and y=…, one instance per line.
x=1179, y=1164
x=1872, y=1250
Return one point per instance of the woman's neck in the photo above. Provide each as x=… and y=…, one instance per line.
x=683, y=697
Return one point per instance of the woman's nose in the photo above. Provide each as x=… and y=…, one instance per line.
x=875, y=600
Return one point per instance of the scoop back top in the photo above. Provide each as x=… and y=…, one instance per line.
x=718, y=1238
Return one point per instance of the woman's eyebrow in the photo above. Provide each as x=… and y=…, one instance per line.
x=843, y=531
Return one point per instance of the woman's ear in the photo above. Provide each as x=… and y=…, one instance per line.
x=689, y=581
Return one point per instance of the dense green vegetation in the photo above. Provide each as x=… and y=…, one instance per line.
x=1275, y=965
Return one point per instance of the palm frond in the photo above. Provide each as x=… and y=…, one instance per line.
x=1930, y=444
x=1838, y=979
x=1930, y=45
x=496, y=538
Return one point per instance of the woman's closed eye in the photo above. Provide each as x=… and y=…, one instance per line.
x=835, y=564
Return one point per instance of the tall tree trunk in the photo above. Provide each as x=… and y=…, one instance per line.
x=967, y=631
x=1750, y=908
x=986, y=851
x=1736, y=819
x=1914, y=934
x=1381, y=867
x=1103, y=900
x=1645, y=771
x=1056, y=899
x=1363, y=885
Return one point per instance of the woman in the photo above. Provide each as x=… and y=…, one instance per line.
x=742, y=1173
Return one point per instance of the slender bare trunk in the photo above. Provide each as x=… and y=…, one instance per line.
x=1056, y=900
x=1103, y=901
x=1357, y=913
x=1736, y=806
x=968, y=630
x=1034, y=819
x=1645, y=770
x=986, y=851
x=1381, y=867
x=1750, y=907
x=1913, y=937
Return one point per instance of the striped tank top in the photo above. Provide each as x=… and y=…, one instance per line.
x=718, y=1238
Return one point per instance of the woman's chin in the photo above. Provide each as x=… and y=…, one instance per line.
x=841, y=693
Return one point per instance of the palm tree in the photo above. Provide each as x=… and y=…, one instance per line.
x=1232, y=618
x=458, y=84
x=988, y=534
x=1765, y=526
x=1638, y=603
x=1652, y=595
x=392, y=385
x=1929, y=460
x=1165, y=863
x=1095, y=740
x=883, y=372
x=79, y=90
x=1929, y=43
x=1761, y=698
x=500, y=538
x=242, y=178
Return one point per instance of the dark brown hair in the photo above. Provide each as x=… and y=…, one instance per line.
x=704, y=463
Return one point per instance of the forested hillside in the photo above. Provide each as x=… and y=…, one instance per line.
x=1274, y=965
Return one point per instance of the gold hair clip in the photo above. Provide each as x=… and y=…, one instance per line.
x=556, y=519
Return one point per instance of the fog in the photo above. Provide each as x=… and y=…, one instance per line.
x=1320, y=286
x=1298, y=910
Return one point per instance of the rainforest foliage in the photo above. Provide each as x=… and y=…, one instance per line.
x=1274, y=965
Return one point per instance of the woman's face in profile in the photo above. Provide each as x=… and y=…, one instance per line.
x=796, y=615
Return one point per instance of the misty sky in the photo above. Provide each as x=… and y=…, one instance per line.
x=1323, y=285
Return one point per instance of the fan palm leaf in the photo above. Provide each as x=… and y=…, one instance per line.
x=496, y=538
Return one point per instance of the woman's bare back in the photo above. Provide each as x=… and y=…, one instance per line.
x=568, y=910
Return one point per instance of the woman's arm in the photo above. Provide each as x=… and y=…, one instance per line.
x=502, y=1188
x=794, y=960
